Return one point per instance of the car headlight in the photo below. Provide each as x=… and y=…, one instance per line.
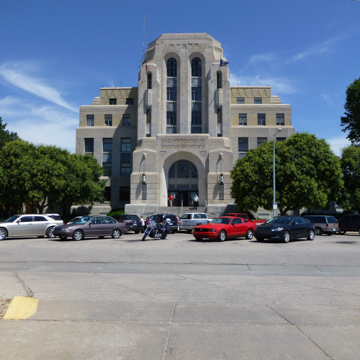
x=277, y=229
x=212, y=230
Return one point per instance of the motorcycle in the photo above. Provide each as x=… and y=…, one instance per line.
x=157, y=230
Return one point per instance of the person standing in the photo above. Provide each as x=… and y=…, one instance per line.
x=171, y=198
x=196, y=201
x=142, y=222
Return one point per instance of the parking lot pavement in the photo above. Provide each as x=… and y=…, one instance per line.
x=182, y=299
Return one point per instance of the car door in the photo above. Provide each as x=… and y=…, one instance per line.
x=185, y=221
x=239, y=227
x=295, y=228
x=93, y=227
x=108, y=226
x=23, y=226
x=39, y=225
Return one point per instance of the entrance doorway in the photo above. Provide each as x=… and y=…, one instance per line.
x=183, y=182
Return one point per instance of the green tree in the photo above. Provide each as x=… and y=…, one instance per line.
x=308, y=175
x=351, y=120
x=6, y=135
x=350, y=165
x=42, y=175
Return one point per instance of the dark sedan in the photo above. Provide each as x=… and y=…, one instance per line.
x=90, y=226
x=285, y=228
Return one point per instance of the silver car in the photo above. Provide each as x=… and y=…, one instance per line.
x=28, y=225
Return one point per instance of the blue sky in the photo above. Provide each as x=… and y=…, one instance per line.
x=55, y=56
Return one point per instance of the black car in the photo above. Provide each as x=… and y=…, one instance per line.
x=132, y=222
x=285, y=228
x=163, y=217
x=349, y=222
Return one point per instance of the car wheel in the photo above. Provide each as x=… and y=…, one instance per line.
x=189, y=231
x=163, y=236
x=249, y=234
x=197, y=238
x=136, y=232
x=318, y=231
x=63, y=237
x=116, y=234
x=78, y=235
x=311, y=235
x=222, y=235
x=3, y=234
x=101, y=237
x=287, y=236
x=49, y=232
x=261, y=239
x=342, y=232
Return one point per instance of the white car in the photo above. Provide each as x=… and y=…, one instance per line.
x=28, y=225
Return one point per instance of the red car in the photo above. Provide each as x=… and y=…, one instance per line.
x=225, y=227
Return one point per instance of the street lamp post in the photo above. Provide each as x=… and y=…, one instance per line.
x=274, y=187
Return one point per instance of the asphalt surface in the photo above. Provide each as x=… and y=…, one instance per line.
x=183, y=299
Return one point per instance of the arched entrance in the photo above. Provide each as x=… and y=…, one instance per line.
x=183, y=182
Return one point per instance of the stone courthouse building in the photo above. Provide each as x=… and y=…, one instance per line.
x=180, y=131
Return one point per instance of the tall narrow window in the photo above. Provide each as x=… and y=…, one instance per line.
x=107, y=156
x=219, y=122
x=196, y=96
x=261, y=141
x=261, y=119
x=171, y=96
x=126, y=120
x=219, y=79
x=90, y=120
x=242, y=119
x=148, y=122
x=149, y=81
x=125, y=157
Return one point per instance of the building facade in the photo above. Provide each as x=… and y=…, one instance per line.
x=180, y=131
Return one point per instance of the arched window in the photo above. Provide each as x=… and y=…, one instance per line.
x=149, y=80
x=171, y=66
x=196, y=67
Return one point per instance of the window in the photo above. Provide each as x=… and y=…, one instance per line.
x=260, y=141
x=89, y=146
x=171, y=94
x=107, y=156
x=126, y=120
x=125, y=157
x=148, y=122
x=219, y=80
x=108, y=120
x=243, y=147
x=280, y=139
x=280, y=120
x=124, y=193
x=240, y=100
x=196, y=67
x=242, y=119
x=149, y=81
x=196, y=93
x=171, y=122
x=261, y=119
x=171, y=66
x=219, y=122
x=258, y=100
x=196, y=122
x=112, y=101
x=90, y=120
x=129, y=101
x=107, y=194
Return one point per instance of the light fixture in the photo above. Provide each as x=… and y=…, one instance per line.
x=221, y=181
x=143, y=178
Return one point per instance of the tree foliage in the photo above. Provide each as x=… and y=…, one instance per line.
x=6, y=135
x=308, y=175
x=350, y=165
x=40, y=175
x=351, y=120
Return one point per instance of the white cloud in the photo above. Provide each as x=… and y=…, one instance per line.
x=40, y=124
x=15, y=73
x=278, y=85
x=337, y=144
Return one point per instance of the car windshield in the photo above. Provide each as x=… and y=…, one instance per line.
x=82, y=220
x=279, y=220
x=221, y=221
x=12, y=219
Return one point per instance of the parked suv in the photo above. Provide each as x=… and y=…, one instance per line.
x=349, y=223
x=324, y=224
x=132, y=222
x=162, y=218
